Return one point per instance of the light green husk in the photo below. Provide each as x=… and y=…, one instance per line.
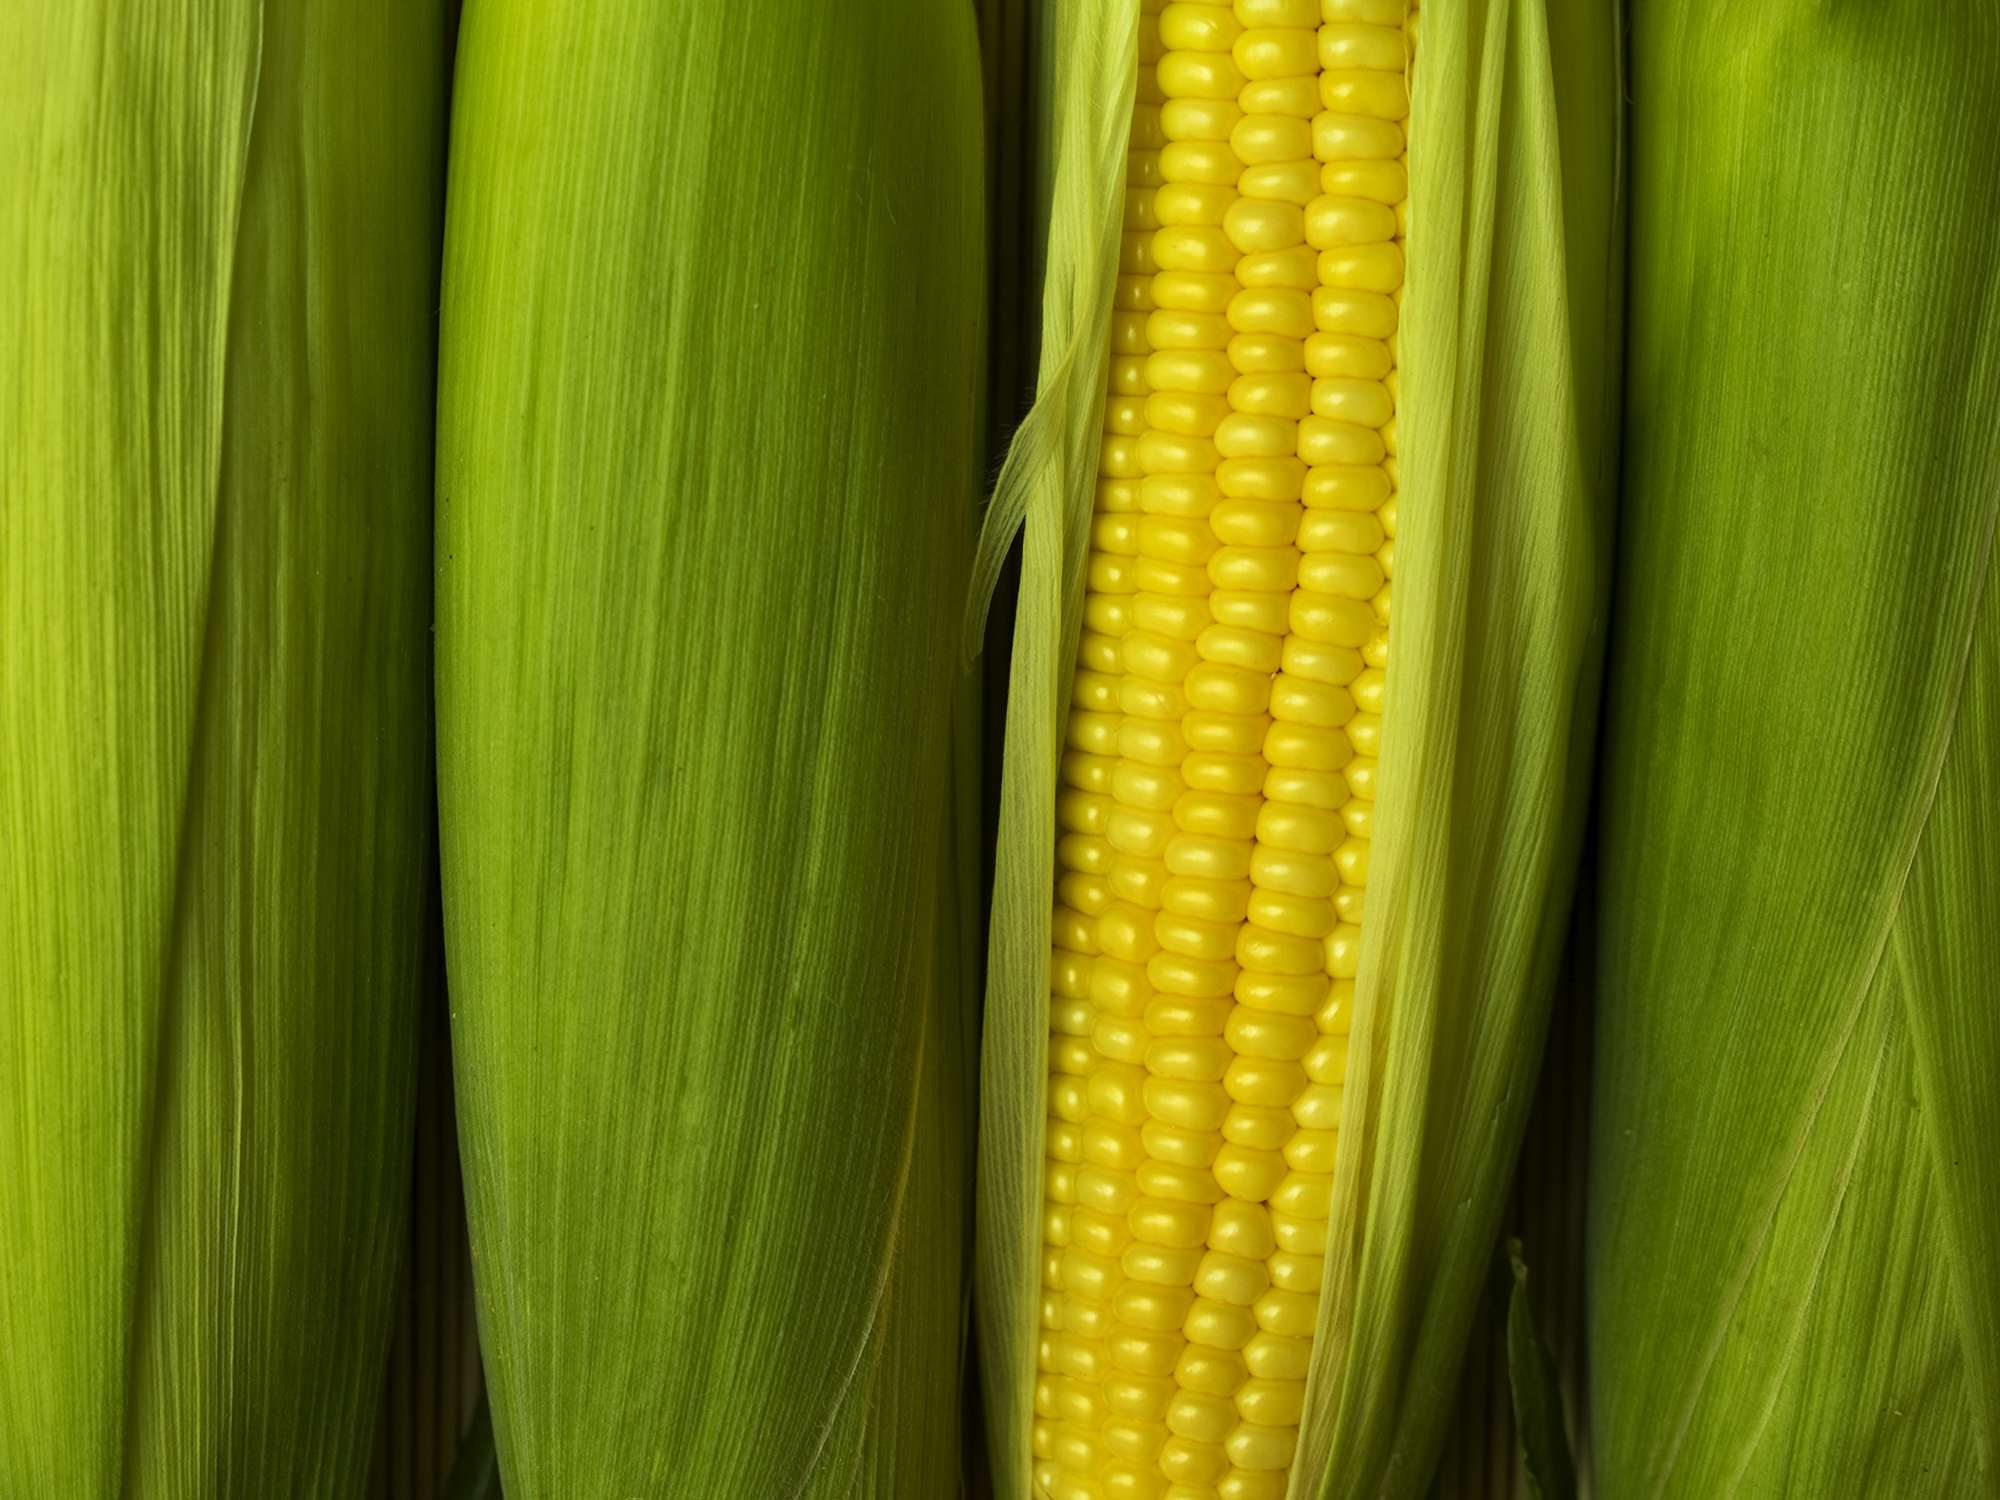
x=707, y=480
x=1795, y=1237
x=1043, y=493
x=1509, y=354
x=221, y=231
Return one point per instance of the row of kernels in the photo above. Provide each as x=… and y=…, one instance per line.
x=1281, y=947
x=1190, y=811
x=1090, y=1146
x=1080, y=1272
x=1340, y=615
x=1146, y=1174
x=1297, y=833
x=1345, y=538
x=1174, y=856
x=1354, y=226
x=1277, y=52
x=1088, y=1098
x=1087, y=809
x=1069, y=1406
x=1230, y=1427
x=1205, y=864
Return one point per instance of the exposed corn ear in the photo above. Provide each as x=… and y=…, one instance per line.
x=707, y=476
x=1204, y=1190
x=221, y=228
x=1795, y=1244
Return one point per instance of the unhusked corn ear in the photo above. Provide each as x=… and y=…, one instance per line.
x=1190, y=997
x=220, y=230
x=1797, y=1039
x=709, y=398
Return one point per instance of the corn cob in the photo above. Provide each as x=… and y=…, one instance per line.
x=1214, y=818
x=1794, y=1240
x=221, y=227
x=709, y=388
x=1192, y=1134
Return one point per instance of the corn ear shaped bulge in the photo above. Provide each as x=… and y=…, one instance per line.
x=1795, y=1225
x=712, y=335
x=1331, y=310
x=222, y=227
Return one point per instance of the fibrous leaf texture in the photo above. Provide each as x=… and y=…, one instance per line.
x=708, y=410
x=1795, y=1236
x=1508, y=356
x=221, y=225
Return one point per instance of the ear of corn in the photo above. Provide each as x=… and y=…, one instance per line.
x=1272, y=1120
x=711, y=342
x=1795, y=1252
x=221, y=228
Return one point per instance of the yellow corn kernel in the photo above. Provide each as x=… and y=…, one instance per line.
x=1249, y=1174
x=1297, y=1273
x=1219, y=1325
x=1292, y=181
x=1190, y=1462
x=1283, y=994
x=1156, y=1307
x=1142, y=1351
x=1201, y=1416
x=1312, y=1150
x=1261, y=1126
x=1192, y=1106
x=1199, y=28
x=1161, y=1264
x=1251, y=1484
x=1318, y=1107
x=1186, y=1015
x=1142, y=1398
x=1296, y=95
x=1175, y=1146
x=1215, y=1372
x=1253, y=1447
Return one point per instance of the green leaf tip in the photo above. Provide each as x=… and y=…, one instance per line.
x=1536, y=1384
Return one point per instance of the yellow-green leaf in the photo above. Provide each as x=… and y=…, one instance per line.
x=221, y=227
x=1509, y=352
x=709, y=403
x=1044, y=494
x=1795, y=1239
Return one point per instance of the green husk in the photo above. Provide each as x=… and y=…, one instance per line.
x=1795, y=1236
x=1509, y=353
x=221, y=226
x=1043, y=493
x=708, y=413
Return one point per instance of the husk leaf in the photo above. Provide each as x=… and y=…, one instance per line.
x=1044, y=495
x=1795, y=1235
x=709, y=400
x=221, y=225
x=1509, y=351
